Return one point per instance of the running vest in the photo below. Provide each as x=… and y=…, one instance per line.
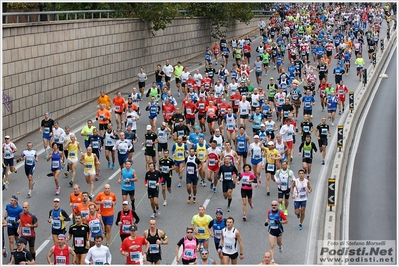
x=230, y=241
x=300, y=190
x=201, y=151
x=257, y=120
x=154, y=93
x=94, y=225
x=127, y=221
x=89, y=160
x=242, y=144
x=109, y=141
x=189, y=248
x=284, y=179
x=179, y=152
x=57, y=223
x=230, y=122
x=154, y=248
x=307, y=150
x=191, y=166
x=272, y=217
x=55, y=160
x=61, y=256
x=218, y=227
x=219, y=140
x=153, y=109
x=162, y=135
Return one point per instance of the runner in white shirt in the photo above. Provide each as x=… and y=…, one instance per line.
x=98, y=254
x=287, y=131
x=244, y=110
x=198, y=77
x=300, y=189
x=168, y=70
x=232, y=87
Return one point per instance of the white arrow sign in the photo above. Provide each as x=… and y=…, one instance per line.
x=331, y=199
x=331, y=186
x=340, y=131
x=340, y=142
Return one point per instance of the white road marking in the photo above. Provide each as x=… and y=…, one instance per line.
x=42, y=246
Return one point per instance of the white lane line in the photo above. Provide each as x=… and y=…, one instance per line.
x=42, y=246
x=206, y=202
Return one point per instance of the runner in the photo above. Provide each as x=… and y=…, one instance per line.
x=123, y=147
x=30, y=157
x=79, y=233
x=136, y=99
x=26, y=227
x=152, y=181
x=359, y=66
x=283, y=179
x=190, y=246
x=159, y=74
x=107, y=201
x=201, y=153
x=200, y=223
x=322, y=134
x=132, y=247
x=300, y=189
x=62, y=252
x=204, y=259
x=46, y=128
x=125, y=219
x=96, y=142
x=20, y=255
x=168, y=70
x=247, y=178
x=256, y=153
x=193, y=167
x=163, y=132
x=228, y=177
x=228, y=243
x=166, y=166
x=230, y=120
x=213, y=153
x=84, y=207
x=153, y=108
x=98, y=254
x=103, y=116
x=57, y=159
x=75, y=198
x=12, y=216
x=217, y=224
x=272, y=156
x=242, y=141
x=341, y=90
x=267, y=259
x=287, y=131
x=9, y=149
x=275, y=220
x=73, y=148
x=57, y=218
x=95, y=223
x=119, y=107
x=89, y=160
x=87, y=131
x=155, y=237
x=127, y=179
x=332, y=103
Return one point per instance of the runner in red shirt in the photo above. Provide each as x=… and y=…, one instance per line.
x=191, y=83
x=201, y=107
x=207, y=82
x=247, y=52
x=189, y=111
x=167, y=111
x=211, y=112
x=132, y=247
x=235, y=101
x=341, y=91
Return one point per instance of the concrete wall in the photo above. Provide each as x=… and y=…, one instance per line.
x=60, y=66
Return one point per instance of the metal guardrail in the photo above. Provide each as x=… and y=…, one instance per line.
x=87, y=14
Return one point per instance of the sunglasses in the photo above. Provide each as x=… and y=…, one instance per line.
x=274, y=205
x=204, y=253
x=189, y=232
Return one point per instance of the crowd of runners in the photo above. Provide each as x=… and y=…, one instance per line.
x=313, y=39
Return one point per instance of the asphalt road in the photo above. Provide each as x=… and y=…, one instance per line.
x=374, y=177
x=176, y=216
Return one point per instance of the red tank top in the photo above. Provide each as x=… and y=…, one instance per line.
x=61, y=256
x=127, y=221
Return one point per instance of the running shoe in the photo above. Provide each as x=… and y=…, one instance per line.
x=300, y=227
x=228, y=209
x=189, y=199
x=158, y=212
x=50, y=174
x=298, y=216
x=57, y=190
x=203, y=183
x=5, y=254
x=15, y=170
x=107, y=245
x=179, y=184
x=211, y=186
x=96, y=178
x=71, y=183
x=113, y=166
x=280, y=248
x=178, y=94
x=214, y=190
x=91, y=197
x=6, y=184
x=153, y=215
x=251, y=205
x=194, y=200
x=165, y=202
x=244, y=218
x=339, y=113
x=29, y=194
x=281, y=206
x=285, y=212
x=66, y=174
x=268, y=193
x=109, y=165
x=323, y=162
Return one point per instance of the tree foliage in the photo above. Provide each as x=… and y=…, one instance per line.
x=220, y=15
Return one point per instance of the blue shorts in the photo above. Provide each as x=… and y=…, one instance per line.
x=255, y=161
x=178, y=162
x=108, y=220
x=359, y=68
x=56, y=169
x=122, y=158
x=153, y=116
x=46, y=136
x=202, y=240
x=93, y=235
x=29, y=170
x=9, y=162
x=299, y=204
x=160, y=84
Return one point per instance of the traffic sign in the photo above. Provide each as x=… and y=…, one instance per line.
x=340, y=137
x=351, y=101
x=331, y=193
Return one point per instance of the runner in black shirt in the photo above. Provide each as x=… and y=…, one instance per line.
x=80, y=235
x=159, y=74
x=152, y=181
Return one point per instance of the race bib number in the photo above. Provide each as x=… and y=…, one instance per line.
x=307, y=154
x=107, y=204
x=241, y=145
x=201, y=230
x=56, y=224
x=46, y=130
x=56, y=140
x=72, y=155
x=60, y=260
x=148, y=142
x=29, y=162
x=189, y=253
x=89, y=166
x=257, y=156
x=180, y=154
x=201, y=155
x=180, y=133
x=26, y=231
x=190, y=170
x=154, y=248
x=95, y=144
x=152, y=184
x=79, y=242
x=117, y=108
x=212, y=162
x=227, y=176
x=98, y=262
x=135, y=256
x=126, y=228
x=306, y=128
x=55, y=164
x=324, y=131
x=218, y=234
x=228, y=246
x=164, y=169
x=270, y=167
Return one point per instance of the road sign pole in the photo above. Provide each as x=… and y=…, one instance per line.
x=340, y=138
x=351, y=101
x=331, y=193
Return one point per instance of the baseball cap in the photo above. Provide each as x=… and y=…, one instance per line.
x=7, y=137
x=125, y=202
x=133, y=227
x=196, y=127
x=256, y=136
x=47, y=112
x=14, y=197
x=270, y=143
x=219, y=210
x=271, y=78
x=56, y=199
x=262, y=125
x=149, y=127
x=21, y=240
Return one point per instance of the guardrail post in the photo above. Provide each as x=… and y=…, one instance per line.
x=364, y=76
x=340, y=137
x=331, y=193
x=351, y=101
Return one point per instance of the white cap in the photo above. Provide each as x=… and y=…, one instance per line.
x=256, y=136
x=7, y=137
x=56, y=199
x=262, y=125
x=125, y=202
x=270, y=143
x=149, y=127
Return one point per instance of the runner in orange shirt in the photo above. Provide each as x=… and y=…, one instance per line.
x=104, y=99
x=83, y=207
x=104, y=117
x=75, y=198
x=211, y=116
x=119, y=106
x=107, y=202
